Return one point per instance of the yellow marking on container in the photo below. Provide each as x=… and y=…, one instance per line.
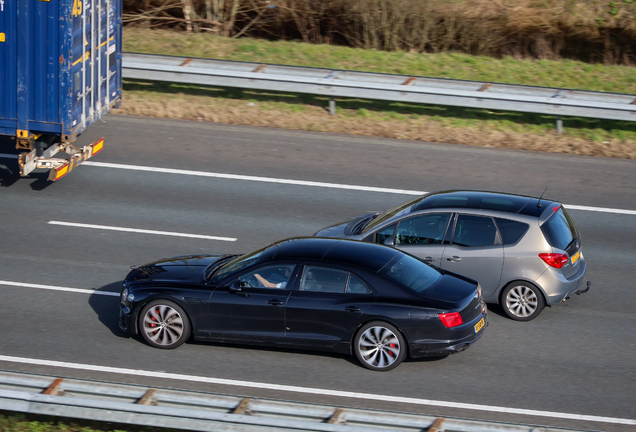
x=87, y=55
x=112, y=38
x=22, y=133
x=2, y=37
x=77, y=8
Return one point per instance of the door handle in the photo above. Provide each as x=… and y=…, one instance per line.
x=275, y=302
x=453, y=259
x=352, y=309
x=428, y=259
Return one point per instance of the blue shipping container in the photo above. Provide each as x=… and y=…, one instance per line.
x=60, y=67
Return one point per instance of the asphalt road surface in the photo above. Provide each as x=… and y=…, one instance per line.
x=576, y=359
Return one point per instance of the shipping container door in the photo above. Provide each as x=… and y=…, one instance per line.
x=95, y=61
x=37, y=66
x=7, y=67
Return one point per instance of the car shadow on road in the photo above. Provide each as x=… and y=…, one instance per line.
x=348, y=358
x=282, y=349
x=105, y=303
x=497, y=310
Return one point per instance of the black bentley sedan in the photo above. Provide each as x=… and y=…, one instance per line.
x=315, y=293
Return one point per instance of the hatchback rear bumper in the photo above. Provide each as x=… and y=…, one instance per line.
x=557, y=288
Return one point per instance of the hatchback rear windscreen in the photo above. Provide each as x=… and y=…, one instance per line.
x=560, y=230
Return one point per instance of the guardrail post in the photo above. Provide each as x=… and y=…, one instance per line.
x=559, y=125
x=332, y=106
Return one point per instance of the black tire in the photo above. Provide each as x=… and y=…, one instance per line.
x=522, y=301
x=379, y=346
x=164, y=324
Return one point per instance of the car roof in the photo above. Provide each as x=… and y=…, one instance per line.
x=484, y=200
x=349, y=252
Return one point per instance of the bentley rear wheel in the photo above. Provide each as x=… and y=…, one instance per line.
x=379, y=346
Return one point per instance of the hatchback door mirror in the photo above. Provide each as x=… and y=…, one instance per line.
x=388, y=241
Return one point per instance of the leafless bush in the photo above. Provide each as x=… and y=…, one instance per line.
x=596, y=30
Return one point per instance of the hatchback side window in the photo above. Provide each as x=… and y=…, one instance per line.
x=422, y=230
x=474, y=231
x=385, y=233
x=324, y=279
x=511, y=231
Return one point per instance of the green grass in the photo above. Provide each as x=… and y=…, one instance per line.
x=547, y=73
x=18, y=422
x=564, y=74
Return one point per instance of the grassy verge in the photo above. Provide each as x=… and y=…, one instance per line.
x=18, y=422
x=377, y=118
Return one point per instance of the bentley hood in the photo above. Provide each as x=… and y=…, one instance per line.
x=179, y=269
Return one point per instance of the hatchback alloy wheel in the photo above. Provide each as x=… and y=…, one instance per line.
x=522, y=301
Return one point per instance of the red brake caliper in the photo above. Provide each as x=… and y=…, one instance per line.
x=391, y=352
x=154, y=319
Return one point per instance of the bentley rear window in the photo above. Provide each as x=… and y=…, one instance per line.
x=411, y=273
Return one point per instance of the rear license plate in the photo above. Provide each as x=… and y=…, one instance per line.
x=480, y=325
x=576, y=256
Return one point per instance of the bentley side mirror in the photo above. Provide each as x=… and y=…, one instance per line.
x=236, y=286
x=388, y=241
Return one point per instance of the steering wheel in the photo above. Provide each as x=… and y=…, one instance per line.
x=252, y=282
x=407, y=237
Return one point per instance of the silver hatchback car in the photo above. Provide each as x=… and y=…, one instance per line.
x=525, y=252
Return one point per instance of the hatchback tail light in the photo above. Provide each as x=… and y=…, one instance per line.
x=555, y=260
x=452, y=319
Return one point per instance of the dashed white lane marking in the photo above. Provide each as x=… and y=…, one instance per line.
x=142, y=231
x=311, y=183
x=317, y=391
x=58, y=288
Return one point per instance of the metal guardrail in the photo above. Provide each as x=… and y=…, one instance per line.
x=196, y=411
x=368, y=85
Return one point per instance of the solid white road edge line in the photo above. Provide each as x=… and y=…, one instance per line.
x=311, y=183
x=142, y=231
x=309, y=390
x=57, y=288
x=252, y=178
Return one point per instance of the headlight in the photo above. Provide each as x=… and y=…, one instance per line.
x=124, y=294
x=131, y=297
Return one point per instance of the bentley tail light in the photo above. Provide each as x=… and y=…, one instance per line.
x=452, y=319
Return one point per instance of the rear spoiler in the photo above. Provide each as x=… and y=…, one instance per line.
x=549, y=211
